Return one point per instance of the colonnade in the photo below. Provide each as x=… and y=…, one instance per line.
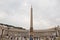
x=44, y=38
x=16, y=38
x=23, y=36
x=27, y=38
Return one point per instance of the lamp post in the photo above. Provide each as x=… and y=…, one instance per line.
x=55, y=34
x=7, y=32
x=57, y=31
x=2, y=34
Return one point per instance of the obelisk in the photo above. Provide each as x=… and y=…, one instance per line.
x=31, y=23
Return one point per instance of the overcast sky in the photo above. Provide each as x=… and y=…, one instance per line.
x=46, y=13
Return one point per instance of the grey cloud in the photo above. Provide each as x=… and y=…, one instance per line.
x=46, y=13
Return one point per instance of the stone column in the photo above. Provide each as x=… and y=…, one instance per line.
x=22, y=38
x=15, y=38
x=12, y=38
x=19, y=38
x=25, y=38
x=34, y=38
x=44, y=38
x=49, y=38
x=39, y=38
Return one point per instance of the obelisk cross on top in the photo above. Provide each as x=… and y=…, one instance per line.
x=31, y=23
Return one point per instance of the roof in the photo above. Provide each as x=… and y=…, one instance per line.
x=12, y=26
x=48, y=30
